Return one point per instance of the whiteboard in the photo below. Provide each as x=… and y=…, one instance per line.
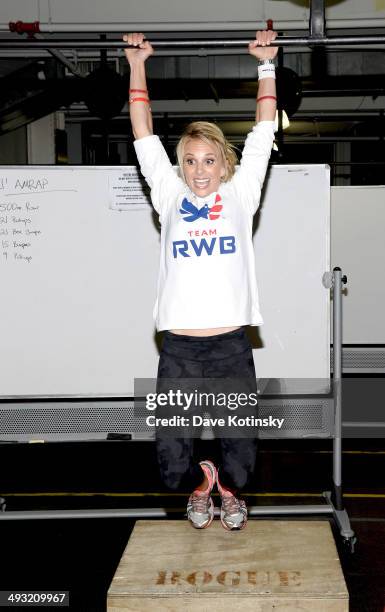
x=78, y=270
x=292, y=247
x=358, y=248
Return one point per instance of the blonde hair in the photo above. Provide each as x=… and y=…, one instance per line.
x=213, y=135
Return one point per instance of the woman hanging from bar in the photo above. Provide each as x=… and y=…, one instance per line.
x=207, y=290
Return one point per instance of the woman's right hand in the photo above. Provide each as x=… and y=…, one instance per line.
x=143, y=48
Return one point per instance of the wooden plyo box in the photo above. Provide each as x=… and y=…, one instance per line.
x=280, y=566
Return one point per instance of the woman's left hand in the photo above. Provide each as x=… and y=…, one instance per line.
x=260, y=47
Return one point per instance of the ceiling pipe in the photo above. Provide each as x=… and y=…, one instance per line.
x=62, y=58
x=198, y=26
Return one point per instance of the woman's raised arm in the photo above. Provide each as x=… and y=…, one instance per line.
x=267, y=96
x=139, y=101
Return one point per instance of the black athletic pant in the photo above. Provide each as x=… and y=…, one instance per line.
x=226, y=355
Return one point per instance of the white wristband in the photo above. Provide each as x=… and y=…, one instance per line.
x=266, y=71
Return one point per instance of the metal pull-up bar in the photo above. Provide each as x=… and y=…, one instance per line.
x=280, y=41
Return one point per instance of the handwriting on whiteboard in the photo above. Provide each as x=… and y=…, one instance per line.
x=27, y=186
x=18, y=230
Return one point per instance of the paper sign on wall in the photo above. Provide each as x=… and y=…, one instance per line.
x=126, y=191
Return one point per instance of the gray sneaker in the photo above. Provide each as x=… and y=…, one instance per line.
x=200, y=509
x=233, y=512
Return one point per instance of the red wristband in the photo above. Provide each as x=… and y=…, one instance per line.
x=266, y=98
x=139, y=100
x=138, y=90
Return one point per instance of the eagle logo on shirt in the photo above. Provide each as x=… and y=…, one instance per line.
x=192, y=213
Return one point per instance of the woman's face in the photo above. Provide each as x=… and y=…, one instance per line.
x=203, y=167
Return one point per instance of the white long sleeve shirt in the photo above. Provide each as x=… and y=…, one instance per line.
x=207, y=275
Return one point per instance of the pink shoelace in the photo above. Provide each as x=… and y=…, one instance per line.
x=231, y=504
x=199, y=501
